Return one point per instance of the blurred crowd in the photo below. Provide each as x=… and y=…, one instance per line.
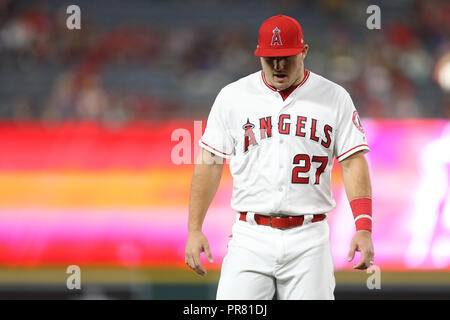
x=134, y=70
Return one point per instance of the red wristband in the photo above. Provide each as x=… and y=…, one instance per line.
x=362, y=212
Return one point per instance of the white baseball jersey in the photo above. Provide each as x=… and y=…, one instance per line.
x=281, y=148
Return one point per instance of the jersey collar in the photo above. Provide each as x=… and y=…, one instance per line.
x=286, y=92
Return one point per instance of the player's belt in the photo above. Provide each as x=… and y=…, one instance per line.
x=281, y=222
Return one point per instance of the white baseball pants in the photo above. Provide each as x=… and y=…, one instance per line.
x=263, y=261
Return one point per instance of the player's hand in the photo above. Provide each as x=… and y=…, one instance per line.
x=362, y=242
x=195, y=245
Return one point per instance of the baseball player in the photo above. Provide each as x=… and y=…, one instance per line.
x=281, y=128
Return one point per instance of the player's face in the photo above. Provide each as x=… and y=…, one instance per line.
x=283, y=72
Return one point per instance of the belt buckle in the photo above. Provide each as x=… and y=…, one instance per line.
x=280, y=217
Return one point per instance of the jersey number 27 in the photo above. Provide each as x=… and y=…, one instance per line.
x=306, y=166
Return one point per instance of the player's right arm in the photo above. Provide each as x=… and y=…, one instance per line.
x=205, y=181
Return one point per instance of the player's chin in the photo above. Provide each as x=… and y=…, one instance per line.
x=281, y=83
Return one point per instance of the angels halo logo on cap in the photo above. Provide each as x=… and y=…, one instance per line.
x=276, y=38
x=279, y=36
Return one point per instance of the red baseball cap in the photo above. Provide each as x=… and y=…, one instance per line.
x=279, y=36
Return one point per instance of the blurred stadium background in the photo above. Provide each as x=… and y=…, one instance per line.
x=91, y=120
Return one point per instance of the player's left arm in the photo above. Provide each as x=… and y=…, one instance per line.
x=355, y=173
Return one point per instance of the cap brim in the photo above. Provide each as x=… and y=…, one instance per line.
x=262, y=52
